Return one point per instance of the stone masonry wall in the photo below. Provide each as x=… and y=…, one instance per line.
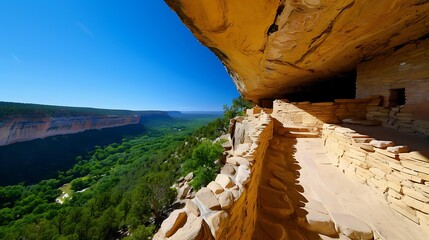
x=406, y=68
x=399, y=118
x=314, y=115
x=402, y=176
x=226, y=208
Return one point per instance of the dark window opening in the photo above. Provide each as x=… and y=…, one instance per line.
x=397, y=97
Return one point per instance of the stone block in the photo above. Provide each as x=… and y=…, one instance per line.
x=175, y=221
x=398, y=149
x=224, y=181
x=237, y=161
x=243, y=175
x=315, y=218
x=226, y=199
x=411, y=192
x=403, y=209
x=382, y=144
x=394, y=186
x=395, y=194
x=208, y=198
x=416, y=166
x=189, y=176
x=352, y=227
x=192, y=208
x=195, y=228
x=215, y=187
x=215, y=221
x=228, y=170
x=416, y=204
x=419, y=156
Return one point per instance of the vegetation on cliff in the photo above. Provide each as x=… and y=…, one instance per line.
x=119, y=191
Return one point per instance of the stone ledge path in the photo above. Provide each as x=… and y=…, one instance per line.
x=303, y=196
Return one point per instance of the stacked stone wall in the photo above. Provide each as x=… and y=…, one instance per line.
x=399, y=118
x=401, y=176
x=314, y=115
x=408, y=68
x=226, y=208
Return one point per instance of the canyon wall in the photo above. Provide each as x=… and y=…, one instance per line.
x=22, y=129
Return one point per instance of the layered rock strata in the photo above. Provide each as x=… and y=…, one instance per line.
x=25, y=129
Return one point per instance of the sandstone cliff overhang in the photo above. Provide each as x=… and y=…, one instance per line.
x=272, y=48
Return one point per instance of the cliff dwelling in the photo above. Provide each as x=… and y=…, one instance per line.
x=337, y=146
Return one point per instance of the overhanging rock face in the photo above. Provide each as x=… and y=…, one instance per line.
x=273, y=47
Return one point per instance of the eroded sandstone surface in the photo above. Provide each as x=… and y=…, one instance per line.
x=23, y=129
x=275, y=47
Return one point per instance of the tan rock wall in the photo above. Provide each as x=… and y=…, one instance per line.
x=26, y=129
x=242, y=215
x=403, y=178
x=406, y=68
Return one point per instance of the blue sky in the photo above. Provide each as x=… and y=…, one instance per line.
x=107, y=54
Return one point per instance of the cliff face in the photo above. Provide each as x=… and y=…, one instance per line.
x=25, y=129
x=272, y=48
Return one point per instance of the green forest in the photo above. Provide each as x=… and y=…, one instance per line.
x=121, y=191
x=10, y=109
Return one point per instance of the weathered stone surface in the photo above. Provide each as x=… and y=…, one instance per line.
x=228, y=170
x=352, y=227
x=382, y=144
x=195, y=229
x=175, y=221
x=189, y=176
x=224, y=181
x=26, y=128
x=192, y=208
x=215, y=187
x=183, y=191
x=237, y=161
x=314, y=217
x=215, y=221
x=271, y=47
x=235, y=192
x=159, y=235
x=398, y=149
x=243, y=175
x=241, y=149
x=208, y=199
x=226, y=199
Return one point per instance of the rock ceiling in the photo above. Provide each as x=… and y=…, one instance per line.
x=271, y=47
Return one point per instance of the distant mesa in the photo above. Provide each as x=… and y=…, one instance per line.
x=24, y=122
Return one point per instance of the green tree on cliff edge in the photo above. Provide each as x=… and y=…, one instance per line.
x=238, y=108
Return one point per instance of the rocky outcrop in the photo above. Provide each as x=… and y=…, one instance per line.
x=274, y=47
x=226, y=208
x=22, y=129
